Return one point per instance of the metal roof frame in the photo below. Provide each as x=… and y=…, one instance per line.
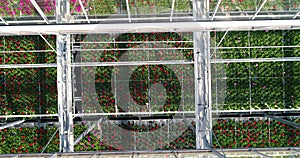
x=151, y=27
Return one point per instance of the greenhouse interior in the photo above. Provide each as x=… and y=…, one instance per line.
x=201, y=78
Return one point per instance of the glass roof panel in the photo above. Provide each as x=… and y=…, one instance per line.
x=254, y=9
x=139, y=10
x=23, y=11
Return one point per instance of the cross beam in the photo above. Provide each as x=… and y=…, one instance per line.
x=152, y=27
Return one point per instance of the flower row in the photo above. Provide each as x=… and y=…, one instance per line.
x=27, y=90
x=256, y=85
x=23, y=8
x=255, y=133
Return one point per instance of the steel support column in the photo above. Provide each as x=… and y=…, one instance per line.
x=64, y=79
x=202, y=67
x=64, y=87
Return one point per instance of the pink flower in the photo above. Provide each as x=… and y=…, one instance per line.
x=78, y=8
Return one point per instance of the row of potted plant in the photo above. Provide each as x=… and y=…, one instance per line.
x=16, y=98
x=248, y=5
x=28, y=139
x=256, y=85
x=255, y=133
x=21, y=8
x=174, y=78
x=227, y=133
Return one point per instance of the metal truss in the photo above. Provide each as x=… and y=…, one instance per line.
x=201, y=25
x=202, y=78
x=151, y=27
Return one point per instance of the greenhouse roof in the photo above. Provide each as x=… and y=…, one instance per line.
x=19, y=12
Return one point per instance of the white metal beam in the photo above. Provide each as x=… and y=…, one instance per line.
x=27, y=116
x=216, y=9
x=3, y=21
x=12, y=124
x=201, y=74
x=172, y=10
x=152, y=27
x=296, y=15
x=10, y=66
x=47, y=42
x=261, y=6
x=133, y=113
x=217, y=153
x=39, y=10
x=84, y=12
x=167, y=62
x=64, y=89
x=128, y=11
x=261, y=154
x=255, y=60
x=255, y=111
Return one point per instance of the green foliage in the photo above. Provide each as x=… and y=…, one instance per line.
x=256, y=85
x=27, y=90
x=254, y=133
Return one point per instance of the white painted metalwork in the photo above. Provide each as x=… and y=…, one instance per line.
x=152, y=27
x=261, y=154
x=27, y=116
x=201, y=66
x=84, y=11
x=11, y=124
x=64, y=87
x=261, y=6
x=296, y=15
x=47, y=42
x=255, y=47
x=39, y=10
x=255, y=111
x=133, y=113
x=167, y=62
x=9, y=66
x=172, y=10
x=128, y=11
x=216, y=9
x=3, y=21
x=254, y=60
